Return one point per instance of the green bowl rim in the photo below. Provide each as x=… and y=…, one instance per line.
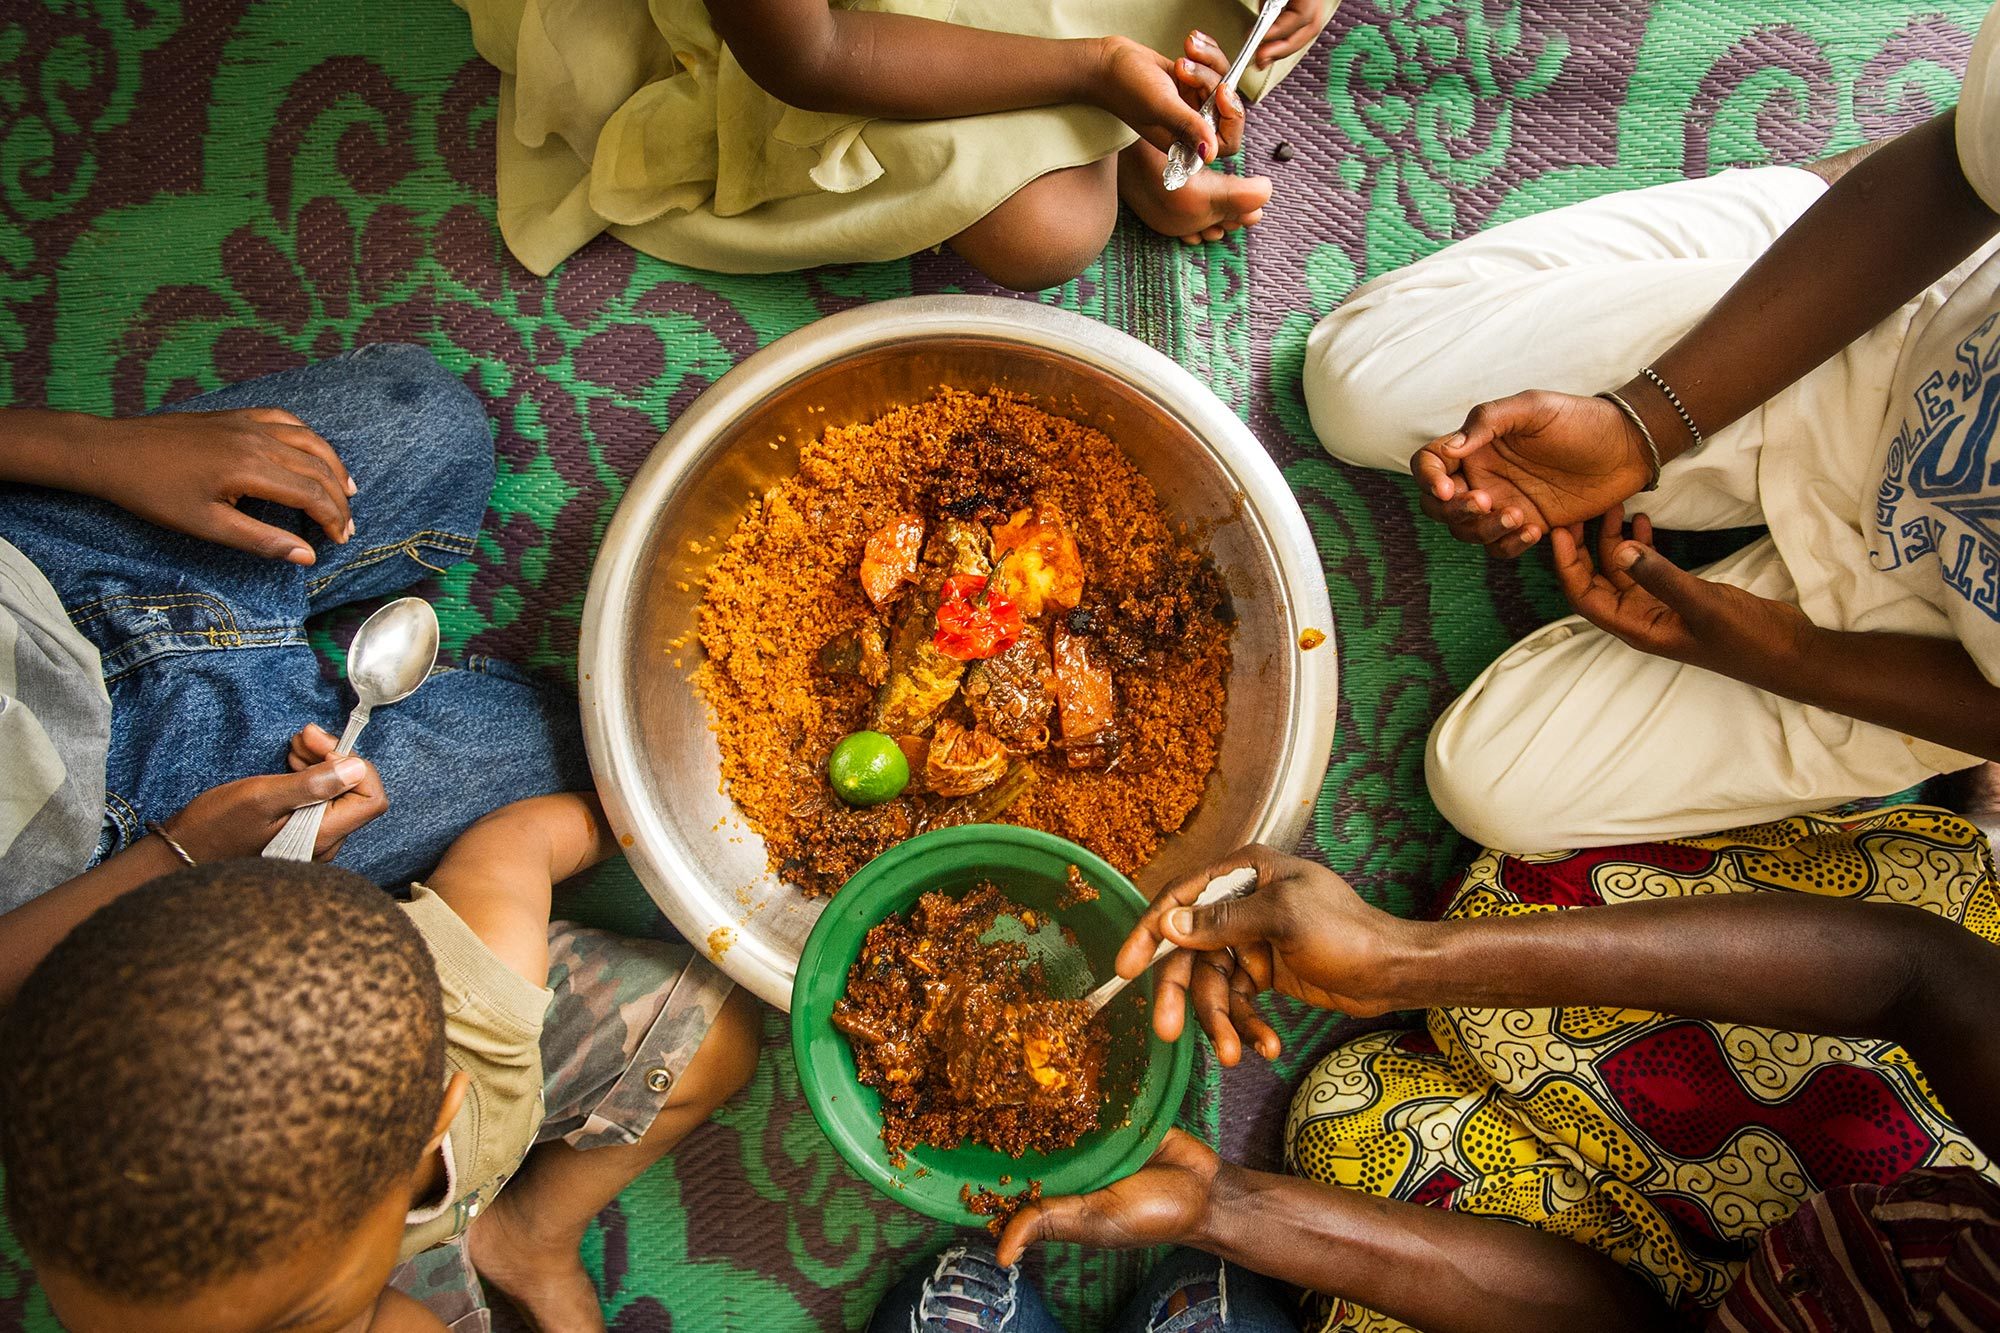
x=1101, y=873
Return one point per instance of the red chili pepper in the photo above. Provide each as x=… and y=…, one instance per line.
x=973, y=624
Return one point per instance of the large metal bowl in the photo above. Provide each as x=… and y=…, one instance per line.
x=654, y=756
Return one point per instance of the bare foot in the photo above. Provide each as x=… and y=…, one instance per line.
x=1205, y=209
x=544, y=1279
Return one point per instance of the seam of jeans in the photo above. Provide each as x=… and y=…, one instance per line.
x=213, y=641
x=89, y=611
x=125, y=817
x=450, y=543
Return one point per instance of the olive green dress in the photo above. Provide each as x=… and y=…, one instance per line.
x=616, y=116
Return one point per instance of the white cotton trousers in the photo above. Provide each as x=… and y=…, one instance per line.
x=1573, y=739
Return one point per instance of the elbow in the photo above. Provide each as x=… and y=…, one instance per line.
x=801, y=71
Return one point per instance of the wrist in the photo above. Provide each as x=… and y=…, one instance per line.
x=53, y=449
x=1793, y=663
x=1090, y=70
x=1215, y=1231
x=1670, y=433
x=1408, y=961
x=205, y=840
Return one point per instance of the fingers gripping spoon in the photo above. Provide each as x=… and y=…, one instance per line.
x=392, y=654
x=1184, y=159
x=1232, y=884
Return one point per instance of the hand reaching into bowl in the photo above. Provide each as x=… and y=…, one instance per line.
x=1303, y=931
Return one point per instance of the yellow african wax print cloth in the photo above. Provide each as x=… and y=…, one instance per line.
x=620, y=116
x=1669, y=1145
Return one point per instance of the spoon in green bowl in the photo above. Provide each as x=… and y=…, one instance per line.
x=1237, y=883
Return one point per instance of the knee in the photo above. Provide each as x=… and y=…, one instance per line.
x=728, y=1054
x=1479, y=791
x=1048, y=233
x=434, y=404
x=1050, y=257
x=1369, y=406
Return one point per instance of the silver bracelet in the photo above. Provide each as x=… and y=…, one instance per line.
x=159, y=831
x=1652, y=449
x=1667, y=391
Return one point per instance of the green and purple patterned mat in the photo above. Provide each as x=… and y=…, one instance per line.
x=198, y=191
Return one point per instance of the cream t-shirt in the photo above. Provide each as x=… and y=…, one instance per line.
x=1933, y=517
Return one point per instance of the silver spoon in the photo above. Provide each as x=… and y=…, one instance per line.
x=1184, y=159
x=1232, y=884
x=392, y=654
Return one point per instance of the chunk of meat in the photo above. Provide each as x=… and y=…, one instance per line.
x=862, y=651
x=962, y=762
x=1009, y=693
x=1086, y=701
x=889, y=560
x=921, y=679
x=1036, y=561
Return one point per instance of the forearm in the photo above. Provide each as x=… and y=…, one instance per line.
x=1790, y=961
x=54, y=449
x=499, y=877
x=898, y=66
x=1440, y=1271
x=29, y=931
x=1920, y=685
x=1885, y=231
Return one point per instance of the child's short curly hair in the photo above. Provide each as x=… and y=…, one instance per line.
x=213, y=1069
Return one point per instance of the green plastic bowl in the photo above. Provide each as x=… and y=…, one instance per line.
x=1144, y=1079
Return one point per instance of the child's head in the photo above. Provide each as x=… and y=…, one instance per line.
x=215, y=1097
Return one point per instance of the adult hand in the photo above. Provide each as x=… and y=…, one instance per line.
x=1639, y=596
x=1304, y=932
x=1164, y=1202
x=190, y=470
x=1138, y=85
x=239, y=818
x=1522, y=466
x=1295, y=30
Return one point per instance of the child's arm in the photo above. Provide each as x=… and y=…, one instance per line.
x=235, y=819
x=189, y=471
x=900, y=67
x=499, y=874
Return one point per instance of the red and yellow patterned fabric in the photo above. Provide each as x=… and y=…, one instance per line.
x=1669, y=1145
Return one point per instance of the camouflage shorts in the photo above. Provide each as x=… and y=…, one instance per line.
x=627, y=1017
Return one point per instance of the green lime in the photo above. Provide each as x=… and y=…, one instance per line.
x=867, y=768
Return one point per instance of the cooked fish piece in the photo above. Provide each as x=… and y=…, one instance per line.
x=1086, y=699
x=987, y=806
x=962, y=762
x=889, y=560
x=1009, y=694
x=862, y=651
x=921, y=680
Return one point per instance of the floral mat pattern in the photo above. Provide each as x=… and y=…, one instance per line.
x=198, y=191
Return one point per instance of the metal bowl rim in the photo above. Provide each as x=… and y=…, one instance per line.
x=603, y=644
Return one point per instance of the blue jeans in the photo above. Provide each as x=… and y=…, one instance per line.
x=204, y=647
x=965, y=1290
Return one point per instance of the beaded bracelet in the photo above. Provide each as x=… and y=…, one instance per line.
x=1652, y=449
x=154, y=827
x=1667, y=391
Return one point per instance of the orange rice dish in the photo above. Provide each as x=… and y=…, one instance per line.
x=999, y=591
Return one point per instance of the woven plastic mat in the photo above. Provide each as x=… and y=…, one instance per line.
x=197, y=193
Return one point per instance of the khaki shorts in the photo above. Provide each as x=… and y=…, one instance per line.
x=627, y=1018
